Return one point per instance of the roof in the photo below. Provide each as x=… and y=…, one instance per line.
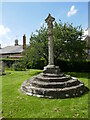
x=11, y=49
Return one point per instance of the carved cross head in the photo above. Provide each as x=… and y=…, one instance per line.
x=49, y=20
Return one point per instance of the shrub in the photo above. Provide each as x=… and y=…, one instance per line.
x=68, y=66
x=8, y=63
x=65, y=66
x=19, y=66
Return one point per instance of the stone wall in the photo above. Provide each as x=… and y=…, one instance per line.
x=15, y=55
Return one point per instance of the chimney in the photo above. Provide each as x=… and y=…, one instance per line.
x=24, y=41
x=16, y=42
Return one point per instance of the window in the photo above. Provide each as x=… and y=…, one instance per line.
x=88, y=52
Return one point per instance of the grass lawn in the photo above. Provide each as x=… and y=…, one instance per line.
x=0, y=96
x=18, y=105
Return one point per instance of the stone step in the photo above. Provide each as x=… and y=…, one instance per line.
x=52, y=79
x=73, y=91
x=52, y=75
x=69, y=83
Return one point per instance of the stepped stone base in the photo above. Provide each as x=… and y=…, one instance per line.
x=53, y=84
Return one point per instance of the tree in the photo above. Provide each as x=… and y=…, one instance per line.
x=37, y=53
x=68, y=44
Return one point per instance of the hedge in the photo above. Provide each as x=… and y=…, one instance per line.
x=67, y=66
x=10, y=62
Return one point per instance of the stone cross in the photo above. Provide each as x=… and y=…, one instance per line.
x=49, y=20
x=2, y=67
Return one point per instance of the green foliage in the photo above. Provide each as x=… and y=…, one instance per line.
x=16, y=104
x=68, y=44
x=8, y=61
x=19, y=66
x=38, y=50
x=75, y=66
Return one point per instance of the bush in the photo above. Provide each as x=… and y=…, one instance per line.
x=9, y=63
x=68, y=66
x=19, y=66
x=65, y=66
x=36, y=64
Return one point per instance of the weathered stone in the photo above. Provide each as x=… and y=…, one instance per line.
x=54, y=92
x=55, y=84
x=49, y=20
x=2, y=67
x=51, y=69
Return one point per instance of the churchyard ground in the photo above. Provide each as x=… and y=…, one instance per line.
x=15, y=104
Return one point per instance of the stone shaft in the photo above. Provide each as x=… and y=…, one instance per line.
x=50, y=50
x=49, y=20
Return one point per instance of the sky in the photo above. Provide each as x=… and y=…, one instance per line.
x=19, y=18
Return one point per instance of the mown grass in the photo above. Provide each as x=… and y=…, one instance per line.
x=0, y=97
x=18, y=105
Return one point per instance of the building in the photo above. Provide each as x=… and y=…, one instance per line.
x=14, y=51
x=87, y=39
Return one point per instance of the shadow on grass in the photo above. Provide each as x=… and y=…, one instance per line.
x=80, y=75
